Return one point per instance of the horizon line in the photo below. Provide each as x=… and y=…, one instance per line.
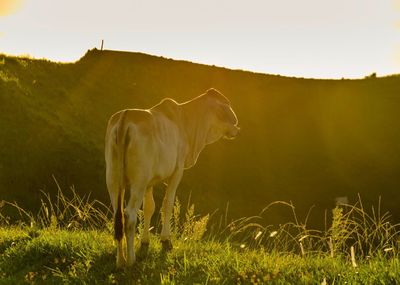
x=95, y=49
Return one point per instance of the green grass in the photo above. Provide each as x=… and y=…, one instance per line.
x=72, y=247
x=87, y=257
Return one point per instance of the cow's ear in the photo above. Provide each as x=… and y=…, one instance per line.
x=225, y=113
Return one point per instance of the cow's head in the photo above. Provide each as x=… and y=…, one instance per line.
x=223, y=120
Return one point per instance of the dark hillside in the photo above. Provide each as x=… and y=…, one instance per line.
x=303, y=140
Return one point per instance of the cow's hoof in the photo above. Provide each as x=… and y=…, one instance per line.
x=130, y=262
x=143, y=250
x=144, y=244
x=121, y=263
x=166, y=245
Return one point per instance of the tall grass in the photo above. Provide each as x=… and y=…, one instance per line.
x=74, y=212
x=69, y=240
x=369, y=233
x=62, y=211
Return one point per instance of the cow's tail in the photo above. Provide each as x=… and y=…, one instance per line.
x=121, y=143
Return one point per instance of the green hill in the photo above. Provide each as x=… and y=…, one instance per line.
x=303, y=140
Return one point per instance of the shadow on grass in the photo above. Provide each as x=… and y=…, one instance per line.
x=150, y=263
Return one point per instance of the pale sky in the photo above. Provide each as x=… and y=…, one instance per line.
x=303, y=38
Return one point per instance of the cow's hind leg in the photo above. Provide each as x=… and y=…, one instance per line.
x=117, y=206
x=119, y=221
x=148, y=211
x=132, y=208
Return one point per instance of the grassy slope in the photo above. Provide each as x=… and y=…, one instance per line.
x=304, y=140
x=87, y=257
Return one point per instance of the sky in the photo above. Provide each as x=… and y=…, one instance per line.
x=302, y=38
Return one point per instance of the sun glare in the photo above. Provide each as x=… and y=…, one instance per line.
x=309, y=38
x=9, y=7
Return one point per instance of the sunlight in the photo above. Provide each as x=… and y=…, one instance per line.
x=397, y=57
x=304, y=39
x=397, y=4
x=9, y=7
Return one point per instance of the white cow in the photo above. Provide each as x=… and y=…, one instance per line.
x=146, y=147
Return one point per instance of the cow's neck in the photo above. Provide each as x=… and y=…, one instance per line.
x=196, y=126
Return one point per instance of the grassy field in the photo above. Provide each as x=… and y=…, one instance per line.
x=55, y=256
x=303, y=140
x=70, y=241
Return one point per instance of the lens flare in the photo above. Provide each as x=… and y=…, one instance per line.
x=9, y=7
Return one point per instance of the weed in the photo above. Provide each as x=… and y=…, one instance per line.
x=64, y=212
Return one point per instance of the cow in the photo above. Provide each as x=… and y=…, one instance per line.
x=144, y=147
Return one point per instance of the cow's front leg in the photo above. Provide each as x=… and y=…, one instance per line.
x=167, y=207
x=148, y=211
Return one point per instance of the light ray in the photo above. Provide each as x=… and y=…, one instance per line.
x=9, y=7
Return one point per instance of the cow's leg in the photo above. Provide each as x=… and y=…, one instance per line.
x=167, y=207
x=113, y=189
x=148, y=211
x=120, y=248
x=134, y=204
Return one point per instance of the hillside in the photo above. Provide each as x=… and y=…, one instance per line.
x=303, y=140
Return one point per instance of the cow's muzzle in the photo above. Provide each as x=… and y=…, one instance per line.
x=232, y=133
